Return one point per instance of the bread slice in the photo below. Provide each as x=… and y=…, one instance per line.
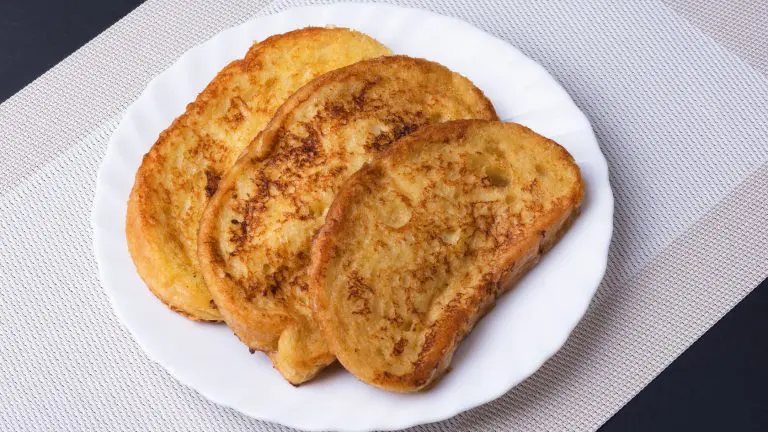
x=419, y=243
x=256, y=233
x=184, y=166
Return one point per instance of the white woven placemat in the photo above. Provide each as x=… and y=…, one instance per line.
x=677, y=98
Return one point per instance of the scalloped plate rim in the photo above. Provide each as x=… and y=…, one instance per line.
x=305, y=422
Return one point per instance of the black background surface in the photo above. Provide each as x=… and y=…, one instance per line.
x=719, y=383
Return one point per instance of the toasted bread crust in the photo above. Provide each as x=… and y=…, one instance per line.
x=256, y=232
x=184, y=166
x=481, y=201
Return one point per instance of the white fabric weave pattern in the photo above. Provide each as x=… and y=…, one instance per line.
x=737, y=24
x=680, y=118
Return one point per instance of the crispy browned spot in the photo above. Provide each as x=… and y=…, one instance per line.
x=211, y=183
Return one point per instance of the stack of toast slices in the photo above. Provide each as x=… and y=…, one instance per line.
x=328, y=200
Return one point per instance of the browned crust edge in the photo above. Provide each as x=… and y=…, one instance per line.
x=143, y=242
x=140, y=232
x=450, y=329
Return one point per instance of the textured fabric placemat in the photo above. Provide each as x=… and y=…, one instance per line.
x=676, y=96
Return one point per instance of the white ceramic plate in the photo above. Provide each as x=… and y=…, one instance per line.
x=528, y=324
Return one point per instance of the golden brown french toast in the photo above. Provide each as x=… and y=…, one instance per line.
x=255, y=234
x=184, y=166
x=419, y=243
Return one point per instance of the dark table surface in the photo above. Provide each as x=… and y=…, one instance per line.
x=719, y=383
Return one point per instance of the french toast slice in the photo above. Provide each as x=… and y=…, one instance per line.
x=255, y=235
x=184, y=166
x=419, y=243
